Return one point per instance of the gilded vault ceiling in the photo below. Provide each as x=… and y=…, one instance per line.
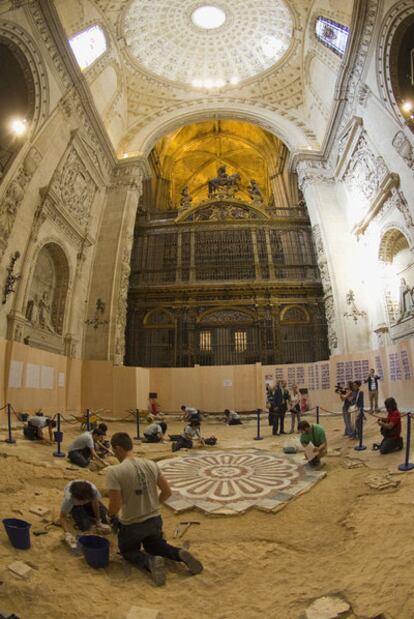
x=191, y=155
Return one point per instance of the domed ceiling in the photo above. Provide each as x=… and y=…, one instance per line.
x=207, y=45
x=172, y=62
x=190, y=157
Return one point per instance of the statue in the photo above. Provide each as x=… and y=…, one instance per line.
x=406, y=300
x=45, y=320
x=32, y=310
x=186, y=199
x=254, y=192
x=223, y=183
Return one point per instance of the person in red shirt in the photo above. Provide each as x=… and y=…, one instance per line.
x=391, y=428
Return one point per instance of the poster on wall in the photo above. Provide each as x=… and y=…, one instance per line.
x=291, y=376
x=378, y=367
x=227, y=382
x=32, y=376
x=325, y=378
x=268, y=379
x=340, y=372
x=300, y=375
x=405, y=361
x=394, y=366
x=16, y=374
x=46, y=377
x=313, y=377
x=279, y=375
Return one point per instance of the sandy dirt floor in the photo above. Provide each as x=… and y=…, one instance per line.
x=342, y=537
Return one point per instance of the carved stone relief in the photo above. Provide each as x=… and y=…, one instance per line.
x=365, y=171
x=327, y=287
x=74, y=188
x=311, y=172
x=125, y=269
x=403, y=147
x=14, y=195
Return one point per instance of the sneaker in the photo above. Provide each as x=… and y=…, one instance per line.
x=193, y=564
x=156, y=567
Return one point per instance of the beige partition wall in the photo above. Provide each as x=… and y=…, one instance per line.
x=31, y=379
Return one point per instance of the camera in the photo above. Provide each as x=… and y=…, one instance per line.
x=339, y=389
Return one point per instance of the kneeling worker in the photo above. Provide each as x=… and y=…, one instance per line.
x=33, y=430
x=133, y=486
x=154, y=433
x=82, y=449
x=232, y=418
x=313, y=438
x=390, y=428
x=81, y=500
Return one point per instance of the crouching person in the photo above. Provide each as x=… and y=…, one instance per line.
x=191, y=433
x=133, y=489
x=81, y=501
x=232, y=418
x=313, y=439
x=82, y=449
x=154, y=433
x=390, y=428
x=35, y=426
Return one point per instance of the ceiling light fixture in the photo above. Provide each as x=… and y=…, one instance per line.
x=18, y=126
x=208, y=17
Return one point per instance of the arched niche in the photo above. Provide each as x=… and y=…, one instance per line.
x=397, y=267
x=46, y=301
x=294, y=314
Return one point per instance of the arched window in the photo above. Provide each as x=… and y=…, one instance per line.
x=88, y=45
x=332, y=34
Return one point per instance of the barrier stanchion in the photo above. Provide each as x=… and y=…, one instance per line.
x=88, y=421
x=10, y=438
x=317, y=414
x=59, y=439
x=407, y=466
x=138, y=436
x=359, y=423
x=258, y=437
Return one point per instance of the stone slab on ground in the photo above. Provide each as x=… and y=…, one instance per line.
x=138, y=612
x=382, y=482
x=327, y=608
x=39, y=510
x=20, y=569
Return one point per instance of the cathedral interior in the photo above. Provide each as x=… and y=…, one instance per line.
x=199, y=200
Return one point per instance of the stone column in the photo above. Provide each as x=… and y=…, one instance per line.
x=111, y=269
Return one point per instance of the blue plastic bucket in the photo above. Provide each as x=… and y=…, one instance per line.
x=18, y=532
x=95, y=550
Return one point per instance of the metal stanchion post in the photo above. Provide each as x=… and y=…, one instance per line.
x=360, y=424
x=317, y=414
x=258, y=437
x=10, y=438
x=138, y=436
x=407, y=466
x=88, y=422
x=59, y=439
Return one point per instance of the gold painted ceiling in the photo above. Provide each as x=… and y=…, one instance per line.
x=191, y=155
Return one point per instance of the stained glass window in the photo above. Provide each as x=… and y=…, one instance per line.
x=332, y=34
x=88, y=45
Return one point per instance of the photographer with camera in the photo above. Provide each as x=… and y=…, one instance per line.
x=347, y=397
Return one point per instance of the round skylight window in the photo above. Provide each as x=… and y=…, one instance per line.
x=208, y=17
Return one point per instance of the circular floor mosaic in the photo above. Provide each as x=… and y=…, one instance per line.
x=233, y=481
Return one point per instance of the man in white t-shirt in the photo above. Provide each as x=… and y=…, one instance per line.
x=133, y=488
x=33, y=429
x=81, y=500
x=154, y=433
x=82, y=449
x=232, y=418
x=190, y=414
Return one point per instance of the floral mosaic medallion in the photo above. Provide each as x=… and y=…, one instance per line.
x=230, y=482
